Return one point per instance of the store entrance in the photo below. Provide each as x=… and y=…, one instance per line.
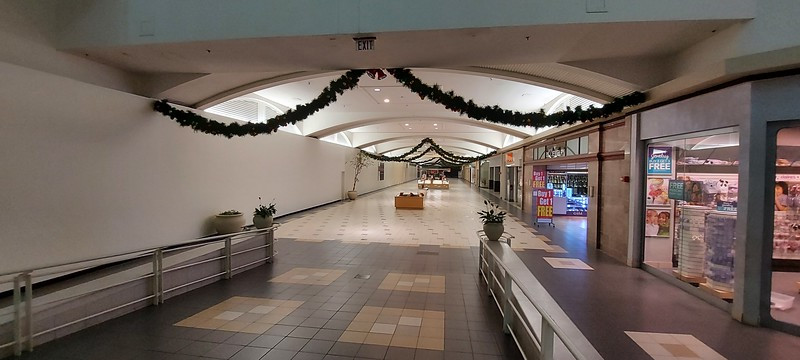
x=570, y=184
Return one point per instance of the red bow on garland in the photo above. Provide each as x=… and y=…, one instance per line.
x=376, y=74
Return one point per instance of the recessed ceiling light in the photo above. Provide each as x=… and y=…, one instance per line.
x=435, y=125
x=377, y=89
x=406, y=124
x=386, y=100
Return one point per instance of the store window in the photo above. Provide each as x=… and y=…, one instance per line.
x=690, y=210
x=786, y=230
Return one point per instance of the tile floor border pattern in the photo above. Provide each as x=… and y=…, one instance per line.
x=409, y=328
x=242, y=314
x=413, y=282
x=665, y=346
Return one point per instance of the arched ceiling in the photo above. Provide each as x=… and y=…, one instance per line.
x=382, y=111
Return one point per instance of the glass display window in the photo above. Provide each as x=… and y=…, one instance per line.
x=690, y=198
x=786, y=228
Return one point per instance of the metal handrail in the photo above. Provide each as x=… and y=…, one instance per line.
x=187, y=243
x=157, y=253
x=583, y=352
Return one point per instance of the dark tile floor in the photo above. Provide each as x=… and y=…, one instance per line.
x=614, y=298
x=471, y=326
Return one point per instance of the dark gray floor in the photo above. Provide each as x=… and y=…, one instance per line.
x=472, y=323
x=615, y=298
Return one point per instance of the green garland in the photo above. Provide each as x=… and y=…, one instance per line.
x=450, y=101
x=433, y=146
x=498, y=115
x=202, y=124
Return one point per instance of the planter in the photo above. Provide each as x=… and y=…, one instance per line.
x=262, y=222
x=493, y=231
x=227, y=224
x=352, y=195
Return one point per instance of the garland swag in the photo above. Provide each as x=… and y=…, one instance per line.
x=448, y=99
x=433, y=146
x=495, y=114
x=202, y=124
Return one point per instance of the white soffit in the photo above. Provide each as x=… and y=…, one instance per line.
x=569, y=75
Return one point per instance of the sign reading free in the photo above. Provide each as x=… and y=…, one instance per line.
x=539, y=177
x=659, y=160
x=544, y=203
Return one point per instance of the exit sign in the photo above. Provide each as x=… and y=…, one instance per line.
x=365, y=44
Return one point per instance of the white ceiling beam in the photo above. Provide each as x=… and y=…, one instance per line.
x=493, y=141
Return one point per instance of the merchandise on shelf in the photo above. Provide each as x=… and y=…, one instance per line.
x=786, y=238
x=720, y=236
x=690, y=238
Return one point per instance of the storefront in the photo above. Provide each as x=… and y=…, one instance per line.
x=718, y=205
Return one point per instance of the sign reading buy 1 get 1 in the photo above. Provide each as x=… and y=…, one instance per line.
x=544, y=203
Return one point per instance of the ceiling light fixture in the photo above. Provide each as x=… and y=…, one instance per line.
x=377, y=89
x=435, y=124
x=386, y=100
x=406, y=124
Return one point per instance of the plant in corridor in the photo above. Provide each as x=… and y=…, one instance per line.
x=229, y=221
x=262, y=216
x=492, y=214
x=492, y=219
x=359, y=162
x=264, y=210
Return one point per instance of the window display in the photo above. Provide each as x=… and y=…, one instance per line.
x=690, y=210
x=571, y=190
x=786, y=231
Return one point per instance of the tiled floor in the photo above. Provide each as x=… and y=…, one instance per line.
x=362, y=280
x=673, y=346
x=410, y=291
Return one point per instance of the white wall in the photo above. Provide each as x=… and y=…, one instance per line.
x=394, y=173
x=88, y=171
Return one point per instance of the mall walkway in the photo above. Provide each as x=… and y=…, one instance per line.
x=352, y=280
x=361, y=279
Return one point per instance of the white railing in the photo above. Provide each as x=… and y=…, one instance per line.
x=507, y=277
x=23, y=314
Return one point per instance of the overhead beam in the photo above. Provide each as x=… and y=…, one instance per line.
x=363, y=140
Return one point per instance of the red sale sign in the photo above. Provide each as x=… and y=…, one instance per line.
x=544, y=203
x=539, y=178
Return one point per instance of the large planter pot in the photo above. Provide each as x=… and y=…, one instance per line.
x=352, y=195
x=262, y=222
x=493, y=231
x=226, y=224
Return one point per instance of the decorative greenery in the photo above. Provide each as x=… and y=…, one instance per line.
x=359, y=162
x=450, y=100
x=263, y=210
x=202, y=124
x=230, y=212
x=492, y=214
x=495, y=114
x=433, y=146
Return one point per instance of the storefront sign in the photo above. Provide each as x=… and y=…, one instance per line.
x=726, y=206
x=544, y=205
x=539, y=178
x=676, y=189
x=659, y=160
x=509, y=158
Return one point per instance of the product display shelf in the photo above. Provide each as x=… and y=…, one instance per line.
x=692, y=247
x=720, y=237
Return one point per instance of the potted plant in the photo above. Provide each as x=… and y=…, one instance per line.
x=359, y=162
x=228, y=222
x=262, y=216
x=492, y=219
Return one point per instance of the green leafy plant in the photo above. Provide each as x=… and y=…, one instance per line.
x=231, y=212
x=492, y=214
x=264, y=210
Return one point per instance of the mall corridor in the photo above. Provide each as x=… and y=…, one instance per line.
x=363, y=280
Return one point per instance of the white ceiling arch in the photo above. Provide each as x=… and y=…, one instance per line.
x=375, y=139
x=407, y=144
x=320, y=129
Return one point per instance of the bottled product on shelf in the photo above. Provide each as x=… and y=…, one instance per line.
x=720, y=236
